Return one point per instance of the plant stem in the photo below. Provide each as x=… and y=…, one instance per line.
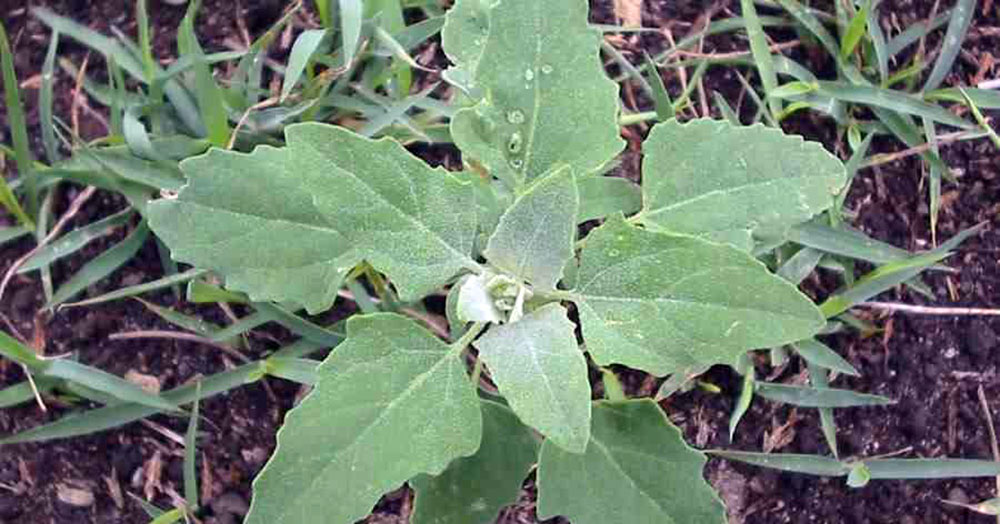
x=468, y=336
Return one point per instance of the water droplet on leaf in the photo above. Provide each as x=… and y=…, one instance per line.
x=515, y=116
x=515, y=142
x=516, y=163
x=529, y=74
x=546, y=69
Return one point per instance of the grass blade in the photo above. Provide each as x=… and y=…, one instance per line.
x=108, y=417
x=846, y=242
x=19, y=134
x=815, y=397
x=351, y=12
x=878, y=43
x=791, y=462
x=855, y=31
x=8, y=234
x=299, y=370
x=140, y=289
x=307, y=44
x=958, y=26
x=878, y=281
x=746, y=394
x=23, y=392
x=104, y=382
x=800, y=265
x=211, y=102
x=940, y=468
x=199, y=292
x=661, y=98
x=915, y=32
x=761, y=54
x=14, y=350
x=102, y=266
x=74, y=241
x=819, y=354
x=190, y=453
x=818, y=378
x=298, y=325
x=45, y=102
x=888, y=99
x=982, y=98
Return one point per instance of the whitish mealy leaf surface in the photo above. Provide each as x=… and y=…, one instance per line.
x=535, y=236
x=662, y=303
x=391, y=402
x=474, y=302
x=546, y=98
x=637, y=468
x=473, y=489
x=712, y=179
x=539, y=369
x=463, y=38
x=602, y=196
x=287, y=224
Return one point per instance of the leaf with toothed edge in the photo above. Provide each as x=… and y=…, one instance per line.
x=546, y=99
x=288, y=224
x=663, y=303
x=711, y=179
x=392, y=402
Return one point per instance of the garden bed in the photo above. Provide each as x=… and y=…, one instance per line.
x=931, y=365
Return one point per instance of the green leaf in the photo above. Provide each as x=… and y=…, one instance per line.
x=288, y=224
x=958, y=26
x=796, y=463
x=818, y=353
x=473, y=489
x=539, y=369
x=637, y=468
x=746, y=394
x=341, y=448
x=475, y=303
x=817, y=397
x=74, y=241
x=662, y=303
x=351, y=18
x=859, y=476
x=19, y=134
x=535, y=236
x=711, y=179
x=536, y=53
x=601, y=196
x=307, y=44
x=105, y=383
x=12, y=349
x=463, y=37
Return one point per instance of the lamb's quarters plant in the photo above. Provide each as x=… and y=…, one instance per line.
x=672, y=287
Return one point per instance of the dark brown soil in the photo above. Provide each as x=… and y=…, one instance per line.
x=931, y=365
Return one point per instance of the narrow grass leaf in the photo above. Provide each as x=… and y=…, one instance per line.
x=139, y=289
x=725, y=109
x=18, y=352
x=23, y=392
x=8, y=234
x=930, y=468
x=307, y=44
x=75, y=240
x=299, y=325
x=200, y=292
x=761, y=54
x=102, y=266
x=191, y=453
x=855, y=31
x=104, y=382
x=800, y=265
x=958, y=26
x=112, y=416
x=815, y=397
x=45, y=102
x=891, y=100
x=661, y=98
x=846, y=242
x=879, y=44
x=986, y=507
x=819, y=354
x=746, y=395
x=878, y=281
x=169, y=517
x=19, y=134
x=211, y=102
x=982, y=98
x=351, y=13
x=791, y=462
x=915, y=32
x=301, y=370
x=828, y=424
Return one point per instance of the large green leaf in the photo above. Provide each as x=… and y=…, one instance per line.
x=637, y=468
x=391, y=402
x=535, y=236
x=473, y=489
x=546, y=100
x=663, y=303
x=542, y=373
x=287, y=224
x=712, y=179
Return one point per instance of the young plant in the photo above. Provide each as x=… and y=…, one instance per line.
x=672, y=287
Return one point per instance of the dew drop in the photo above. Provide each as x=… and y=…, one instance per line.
x=516, y=163
x=613, y=252
x=515, y=116
x=529, y=74
x=479, y=41
x=514, y=143
x=546, y=69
